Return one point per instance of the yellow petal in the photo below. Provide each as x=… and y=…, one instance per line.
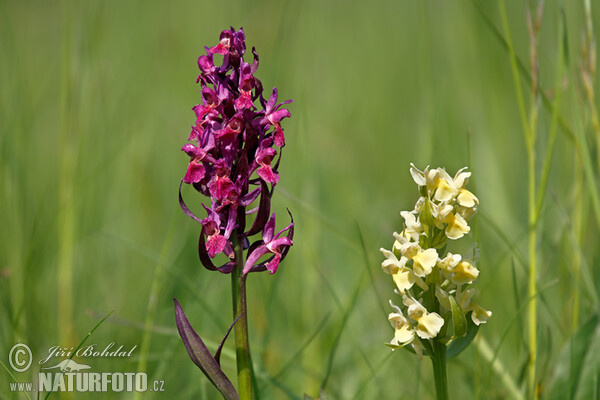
x=424, y=261
x=403, y=335
x=461, y=178
x=445, y=191
x=479, y=315
x=466, y=198
x=404, y=279
x=464, y=272
x=457, y=227
x=429, y=325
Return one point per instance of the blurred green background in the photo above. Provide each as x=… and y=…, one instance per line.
x=95, y=104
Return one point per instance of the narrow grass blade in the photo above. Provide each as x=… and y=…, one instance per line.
x=368, y=269
x=292, y=360
x=83, y=342
x=14, y=379
x=578, y=363
x=336, y=341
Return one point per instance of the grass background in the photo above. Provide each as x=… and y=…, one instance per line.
x=95, y=103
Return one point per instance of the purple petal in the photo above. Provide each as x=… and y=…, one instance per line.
x=273, y=264
x=271, y=102
x=267, y=174
x=254, y=257
x=269, y=229
x=279, y=138
x=200, y=355
x=194, y=173
x=215, y=245
x=279, y=115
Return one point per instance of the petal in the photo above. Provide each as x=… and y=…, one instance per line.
x=479, y=315
x=457, y=227
x=267, y=174
x=461, y=178
x=404, y=279
x=417, y=175
x=269, y=229
x=279, y=138
x=445, y=190
x=465, y=272
x=466, y=198
x=215, y=245
x=429, y=325
x=254, y=257
x=273, y=264
x=271, y=102
x=278, y=115
x=424, y=261
x=195, y=172
x=403, y=335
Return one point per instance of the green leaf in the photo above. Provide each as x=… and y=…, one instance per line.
x=201, y=356
x=578, y=364
x=459, y=322
x=458, y=345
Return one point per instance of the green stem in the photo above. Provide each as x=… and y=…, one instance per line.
x=242, y=345
x=438, y=359
x=532, y=277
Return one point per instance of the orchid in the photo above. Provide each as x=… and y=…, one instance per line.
x=234, y=155
x=237, y=139
x=436, y=290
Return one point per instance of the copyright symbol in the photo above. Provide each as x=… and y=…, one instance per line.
x=20, y=357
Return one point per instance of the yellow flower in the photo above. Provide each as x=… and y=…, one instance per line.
x=464, y=272
x=446, y=189
x=413, y=225
x=426, y=177
x=404, y=333
x=428, y=324
x=456, y=226
x=423, y=260
x=403, y=277
x=479, y=315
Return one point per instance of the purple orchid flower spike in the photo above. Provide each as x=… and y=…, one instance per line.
x=234, y=158
x=236, y=154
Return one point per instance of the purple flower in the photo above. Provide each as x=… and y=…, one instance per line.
x=276, y=245
x=237, y=139
x=273, y=116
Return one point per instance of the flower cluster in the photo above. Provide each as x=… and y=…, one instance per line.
x=237, y=145
x=433, y=287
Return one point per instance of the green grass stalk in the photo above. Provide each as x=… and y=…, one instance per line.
x=242, y=344
x=66, y=219
x=152, y=303
x=529, y=129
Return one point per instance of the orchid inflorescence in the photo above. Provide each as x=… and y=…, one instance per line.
x=238, y=142
x=436, y=290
